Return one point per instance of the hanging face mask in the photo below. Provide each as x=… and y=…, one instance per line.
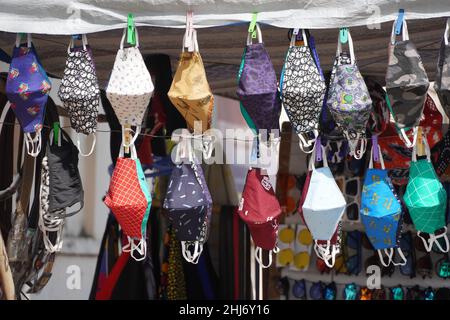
x=79, y=91
x=349, y=101
x=27, y=88
x=189, y=204
x=260, y=210
x=426, y=200
x=381, y=211
x=130, y=86
x=129, y=199
x=323, y=208
x=302, y=91
x=190, y=92
x=442, y=83
x=406, y=84
x=379, y=117
x=257, y=88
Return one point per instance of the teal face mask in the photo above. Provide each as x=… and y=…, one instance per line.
x=426, y=200
x=381, y=212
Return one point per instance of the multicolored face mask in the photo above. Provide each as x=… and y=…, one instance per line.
x=349, y=101
x=406, y=84
x=189, y=206
x=260, y=210
x=257, y=88
x=323, y=208
x=79, y=91
x=190, y=92
x=442, y=82
x=426, y=200
x=379, y=117
x=130, y=86
x=302, y=90
x=27, y=88
x=129, y=199
x=381, y=211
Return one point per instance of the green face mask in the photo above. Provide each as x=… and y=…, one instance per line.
x=426, y=200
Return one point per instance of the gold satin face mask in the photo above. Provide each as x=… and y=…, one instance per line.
x=190, y=92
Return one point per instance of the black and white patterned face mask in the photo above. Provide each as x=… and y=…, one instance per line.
x=79, y=90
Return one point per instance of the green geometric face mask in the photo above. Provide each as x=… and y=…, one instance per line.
x=426, y=200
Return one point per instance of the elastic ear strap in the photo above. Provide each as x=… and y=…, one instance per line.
x=402, y=256
x=258, y=34
x=79, y=147
x=324, y=156
x=29, y=141
x=358, y=154
x=380, y=255
x=332, y=257
x=443, y=235
x=303, y=143
x=312, y=158
x=258, y=257
x=141, y=248
x=380, y=157
x=408, y=142
x=447, y=32
x=427, y=244
x=405, y=33
x=18, y=38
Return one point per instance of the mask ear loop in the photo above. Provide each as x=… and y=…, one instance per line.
x=208, y=147
x=191, y=258
x=72, y=43
x=79, y=146
x=447, y=32
x=405, y=138
x=307, y=143
x=19, y=37
x=141, y=248
x=350, y=46
x=258, y=257
x=433, y=240
x=389, y=253
x=29, y=141
x=258, y=34
x=402, y=256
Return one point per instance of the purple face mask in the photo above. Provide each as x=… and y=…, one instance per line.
x=257, y=89
x=27, y=88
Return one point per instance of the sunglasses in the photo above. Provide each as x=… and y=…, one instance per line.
x=350, y=292
x=424, y=265
x=351, y=189
x=379, y=294
x=415, y=293
x=365, y=294
x=299, y=289
x=442, y=267
x=353, y=251
x=406, y=245
x=397, y=293
x=316, y=292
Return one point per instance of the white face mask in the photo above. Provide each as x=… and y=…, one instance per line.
x=323, y=207
x=130, y=86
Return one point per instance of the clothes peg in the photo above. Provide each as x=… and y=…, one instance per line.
x=189, y=36
x=399, y=24
x=252, y=26
x=127, y=129
x=55, y=132
x=343, y=35
x=131, y=30
x=420, y=144
x=318, y=152
x=375, y=148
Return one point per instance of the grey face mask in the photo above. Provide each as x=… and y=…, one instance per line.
x=442, y=83
x=406, y=84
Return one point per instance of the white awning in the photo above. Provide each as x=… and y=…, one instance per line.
x=87, y=16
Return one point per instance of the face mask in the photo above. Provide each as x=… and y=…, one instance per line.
x=323, y=208
x=260, y=210
x=257, y=88
x=302, y=90
x=27, y=88
x=349, y=101
x=379, y=117
x=189, y=204
x=442, y=82
x=129, y=199
x=79, y=91
x=190, y=92
x=381, y=211
x=130, y=86
x=406, y=84
x=426, y=200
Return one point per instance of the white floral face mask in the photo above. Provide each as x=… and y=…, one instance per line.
x=130, y=86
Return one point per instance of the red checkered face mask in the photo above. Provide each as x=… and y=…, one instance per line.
x=129, y=200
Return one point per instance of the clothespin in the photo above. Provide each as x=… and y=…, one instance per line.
x=76, y=37
x=131, y=30
x=343, y=35
x=375, y=148
x=127, y=129
x=399, y=25
x=252, y=26
x=55, y=132
x=420, y=145
x=22, y=35
x=189, y=36
x=255, y=150
x=318, y=150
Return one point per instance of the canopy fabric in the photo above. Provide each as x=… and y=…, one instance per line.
x=87, y=16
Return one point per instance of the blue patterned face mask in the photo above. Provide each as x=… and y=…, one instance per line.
x=381, y=211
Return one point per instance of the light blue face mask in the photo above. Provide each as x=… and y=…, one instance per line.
x=381, y=211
